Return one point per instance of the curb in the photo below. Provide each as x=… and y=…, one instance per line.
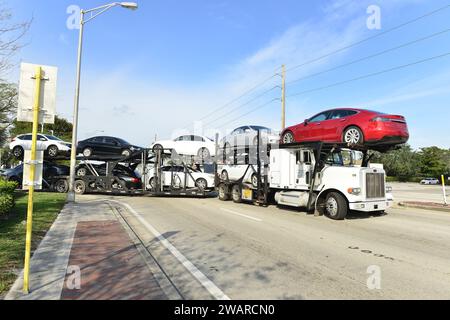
x=424, y=206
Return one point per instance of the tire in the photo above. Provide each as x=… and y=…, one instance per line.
x=288, y=137
x=224, y=176
x=87, y=152
x=126, y=153
x=52, y=151
x=224, y=195
x=254, y=180
x=62, y=186
x=82, y=172
x=157, y=147
x=18, y=152
x=353, y=135
x=336, y=206
x=236, y=194
x=79, y=187
x=16, y=180
x=204, y=154
x=152, y=183
x=201, y=184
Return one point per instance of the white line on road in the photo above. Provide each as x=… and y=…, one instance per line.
x=204, y=281
x=240, y=214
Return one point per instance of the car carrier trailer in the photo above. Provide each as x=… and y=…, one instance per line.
x=311, y=176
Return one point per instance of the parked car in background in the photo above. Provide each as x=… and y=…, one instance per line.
x=106, y=146
x=349, y=125
x=248, y=136
x=192, y=145
x=175, y=176
x=49, y=170
x=430, y=181
x=52, y=145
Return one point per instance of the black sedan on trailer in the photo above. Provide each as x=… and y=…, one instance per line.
x=126, y=175
x=106, y=146
x=49, y=171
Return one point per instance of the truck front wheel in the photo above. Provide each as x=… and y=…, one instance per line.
x=336, y=206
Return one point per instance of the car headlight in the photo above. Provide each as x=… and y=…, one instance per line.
x=354, y=191
x=388, y=189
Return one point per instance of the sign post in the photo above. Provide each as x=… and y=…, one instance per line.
x=37, y=96
x=443, y=190
x=37, y=99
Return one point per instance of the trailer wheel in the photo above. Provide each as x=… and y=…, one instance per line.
x=236, y=194
x=223, y=192
x=80, y=187
x=336, y=206
x=254, y=180
x=224, y=176
x=61, y=186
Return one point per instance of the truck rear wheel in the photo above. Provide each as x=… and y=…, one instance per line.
x=336, y=206
x=80, y=187
x=236, y=194
x=223, y=192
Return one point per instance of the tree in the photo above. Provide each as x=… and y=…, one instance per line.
x=61, y=128
x=402, y=163
x=434, y=161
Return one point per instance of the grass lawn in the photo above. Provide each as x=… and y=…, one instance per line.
x=12, y=232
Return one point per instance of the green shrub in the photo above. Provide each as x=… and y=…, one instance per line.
x=6, y=203
x=7, y=187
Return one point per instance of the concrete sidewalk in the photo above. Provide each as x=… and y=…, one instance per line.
x=91, y=237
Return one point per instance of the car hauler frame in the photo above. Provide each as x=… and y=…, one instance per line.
x=300, y=175
x=159, y=189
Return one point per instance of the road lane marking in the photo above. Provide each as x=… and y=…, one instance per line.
x=240, y=214
x=196, y=273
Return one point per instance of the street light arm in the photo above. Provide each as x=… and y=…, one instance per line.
x=102, y=9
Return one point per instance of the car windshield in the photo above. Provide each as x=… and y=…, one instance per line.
x=122, y=141
x=52, y=138
x=260, y=128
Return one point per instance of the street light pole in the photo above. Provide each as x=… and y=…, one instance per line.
x=95, y=12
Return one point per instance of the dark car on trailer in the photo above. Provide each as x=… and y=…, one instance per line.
x=106, y=146
x=49, y=171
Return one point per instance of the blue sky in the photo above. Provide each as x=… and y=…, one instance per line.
x=161, y=68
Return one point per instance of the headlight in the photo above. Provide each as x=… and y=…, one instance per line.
x=354, y=191
x=388, y=189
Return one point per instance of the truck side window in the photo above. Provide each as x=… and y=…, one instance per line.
x=306, y=157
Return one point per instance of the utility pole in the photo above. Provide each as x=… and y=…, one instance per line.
x=283, y=97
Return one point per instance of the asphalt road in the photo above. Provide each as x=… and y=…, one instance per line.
x=418, y=192
x=211, y=249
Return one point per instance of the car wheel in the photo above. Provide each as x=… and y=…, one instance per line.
x=82, y=172
x=61, y=186
x=335, y=206
x=224, y=176
x=288, y=137
x=87, y=152
x=80, y=187
x=126, y=153
x=18, y=152
x=223, y=192
x=203, y=153
x=52, y=151
x=201, y=184
x=16, y=180
x=152, y=183
x=157, y=147
x=236, y=194
x=353, y=135
x=254, y=180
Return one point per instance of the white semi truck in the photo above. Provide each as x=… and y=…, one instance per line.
x=328, y=178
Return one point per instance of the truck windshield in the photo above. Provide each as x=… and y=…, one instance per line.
x=345, y=158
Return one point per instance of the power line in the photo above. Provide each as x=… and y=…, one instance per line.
x=244, y=104
x=370, y=38
x=251, y=111
x=246, y=92
x=369, y=75
x=371, y=56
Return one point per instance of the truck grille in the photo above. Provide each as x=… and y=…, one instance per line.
x=375, y=185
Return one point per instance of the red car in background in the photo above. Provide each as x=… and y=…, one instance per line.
x=348, y=125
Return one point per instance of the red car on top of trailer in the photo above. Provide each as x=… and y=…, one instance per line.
x=350, y=125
